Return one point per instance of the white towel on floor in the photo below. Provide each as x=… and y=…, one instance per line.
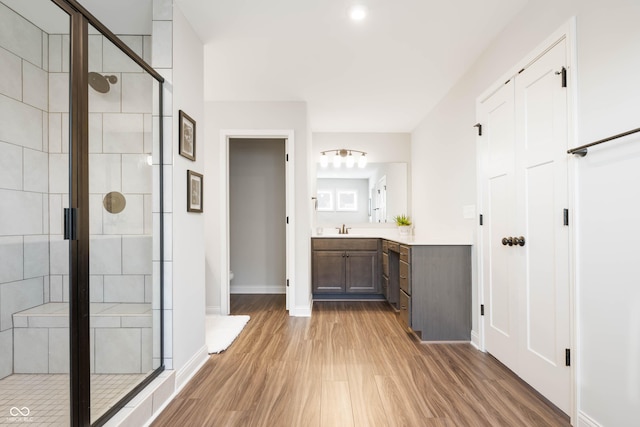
x=221, y=331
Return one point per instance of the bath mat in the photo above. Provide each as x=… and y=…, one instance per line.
x=221, y=331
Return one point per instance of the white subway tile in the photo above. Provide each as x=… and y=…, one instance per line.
x=6, y=353
x=146, y=49
x=162, y=10
x=11, y=71
x=59, y=256
x=162, y=44
x=59, y=350
x=95, y=133
x=58, y=92
x=25, y=215
x=123, y=133
x=96, y=288
x=35, y=90
x=116, y=61
x=137, y=93
x=58, y=173
x=95, y=53
x=45, y=133
x=96, y=208
x=10, y=168
x=66, y=139
x=136, y=255
x=31, y=350
x=55, y=53
x=18, y=296
x=36, y=256
x=124, y=289
x=45, y=51
x=117, y=351
x=105, y=173
x=55, y=288
x=20, y=36
x=36, y=171
x=66, y=48
x=136, y=174
x=55, y=214
x=55, y=132
x=21, y=124
x=11, y=259
x=148, y=217
x=106, y=255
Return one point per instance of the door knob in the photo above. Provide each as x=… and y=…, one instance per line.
x=518, y=241
x=507, y=241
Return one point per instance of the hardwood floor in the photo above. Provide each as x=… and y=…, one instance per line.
x=350, y=364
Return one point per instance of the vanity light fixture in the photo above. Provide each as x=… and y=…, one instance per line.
x=339, y=155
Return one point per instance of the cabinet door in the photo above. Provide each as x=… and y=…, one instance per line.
x=362, y=272
x=328, y=271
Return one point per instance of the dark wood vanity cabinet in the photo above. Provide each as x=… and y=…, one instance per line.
x=345, y=266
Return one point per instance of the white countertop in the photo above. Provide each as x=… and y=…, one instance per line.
x=392, y=234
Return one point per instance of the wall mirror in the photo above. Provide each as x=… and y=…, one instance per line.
x=374, y=194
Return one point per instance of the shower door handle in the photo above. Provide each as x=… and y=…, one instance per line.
x=70, y=223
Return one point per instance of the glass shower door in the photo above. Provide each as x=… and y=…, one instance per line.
x=124, y=210
x=34, y=190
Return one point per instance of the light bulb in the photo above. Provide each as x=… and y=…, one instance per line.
x=362, y=161
x=336, y=160
x=324, y=161
x=350, y=160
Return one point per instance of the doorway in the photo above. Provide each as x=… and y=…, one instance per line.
x=257, y=216
x=283, y=138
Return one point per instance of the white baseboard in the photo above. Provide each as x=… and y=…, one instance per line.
x=213, y=309
x=475, y=340
x=252, y=289
x=304, y=311
x=189, y=370
x=586, y=421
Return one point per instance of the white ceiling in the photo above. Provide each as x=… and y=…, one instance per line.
x=380, y=75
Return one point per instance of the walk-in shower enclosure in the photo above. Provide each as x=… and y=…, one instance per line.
x=80, y=212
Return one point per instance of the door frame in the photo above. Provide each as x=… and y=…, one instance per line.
x=225, y=239
x=567, y=32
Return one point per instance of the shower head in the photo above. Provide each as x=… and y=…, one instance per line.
x=100, y=83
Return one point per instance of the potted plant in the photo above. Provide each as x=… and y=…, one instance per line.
x=404, y=224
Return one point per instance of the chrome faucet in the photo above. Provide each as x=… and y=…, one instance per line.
x=343, y=230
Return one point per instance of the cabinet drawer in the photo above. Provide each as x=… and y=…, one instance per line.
x=405, y=251
x=405, y=279
x=344, y=244
x=404, y=316
x=393, y=246
x=385, y=246
x=385, y=265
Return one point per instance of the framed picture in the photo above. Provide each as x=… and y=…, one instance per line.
x=187, y=138
x=194, y=191
x=325, y=200
x=347, y=200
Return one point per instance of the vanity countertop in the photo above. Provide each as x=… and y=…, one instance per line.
x=392, y=234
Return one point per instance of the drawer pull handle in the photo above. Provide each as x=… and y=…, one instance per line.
x=403, y=277
x=403, y=307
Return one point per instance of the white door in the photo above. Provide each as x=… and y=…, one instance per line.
x=541, y=197
x=500, y=294
x=524, y=186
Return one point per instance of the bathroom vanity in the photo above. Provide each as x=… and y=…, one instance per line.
x=429, y=285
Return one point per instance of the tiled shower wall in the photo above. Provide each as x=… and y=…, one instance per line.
x=24, y=165
x=34, y=173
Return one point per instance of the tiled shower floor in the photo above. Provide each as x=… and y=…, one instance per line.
x=45, y=397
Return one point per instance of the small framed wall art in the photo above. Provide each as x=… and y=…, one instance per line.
x=194, y=191
x=187, y=137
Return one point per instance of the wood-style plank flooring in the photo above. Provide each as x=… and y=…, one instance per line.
x=350, y=364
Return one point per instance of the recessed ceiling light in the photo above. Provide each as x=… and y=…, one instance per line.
x=358, y=12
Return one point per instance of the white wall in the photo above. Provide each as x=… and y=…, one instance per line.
x=608, y=91
x=258, y=116
x=257, y=199
x=188, y=228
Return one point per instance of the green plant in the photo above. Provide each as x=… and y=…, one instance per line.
x=402, y=220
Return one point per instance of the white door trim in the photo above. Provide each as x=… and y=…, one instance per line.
x=225, y=261
x=567, y=32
